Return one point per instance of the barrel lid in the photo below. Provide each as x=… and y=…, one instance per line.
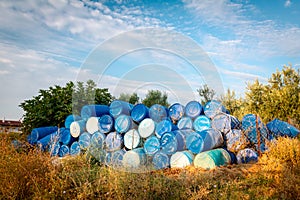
x=92, y=125
x=185, y=123
x=176, y=112
x=158, y=112
x=106, y=123
x=139, y=112
x=131, y=139
x=181, y=159
x=151, y=145
x=146, y=128
x=113, y=141
x=163, y=127
x=123, y=123
x=193, y=109
x=168, y=143
x=201, y=123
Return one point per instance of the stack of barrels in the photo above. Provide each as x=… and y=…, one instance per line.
x=136, y=137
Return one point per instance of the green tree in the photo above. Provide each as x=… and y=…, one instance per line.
x=156, y=97
x=88, y=94
x=206, y=93
x=124, y=97
x=133, y=98
x=233, y=104
x=51, y=107
x=279, y=98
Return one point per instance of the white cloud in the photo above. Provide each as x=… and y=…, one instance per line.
x=248, y=37
x=42, y=43
x=23, y=73
x=287, y=3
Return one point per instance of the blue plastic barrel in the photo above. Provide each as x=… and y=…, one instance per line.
x=134, y=158
x=211, y=139
x=115, y=158
x=106, y=124
x=54, y=148
x=176, y=112
x=224, y=122
x=92, y=125
x=281, y=128
x=71, y=118
x=212, y=108
x=77, y=127
x=164, y=126
x=235, y=140
x=249, y=128
x=194, y=142
x=39, y=133
x=139, y=112
x=181, y=159
x=132, y=139
x=232, y=156
x=96, y=148
x=146, y=128
x=152, y=145
x=66, y=137
x=168, y=143
x=247, y=156
x=158, y=112
x=118, y=107
x=201, y=123
x=124, y=123
x=98, y=140
x=46, y=141
x=161, y=160
x=193, y=109
x=185, y=123
x=213, y=158
x=88, y=111
x=84, y=140
x=75, y=149
x=114, y=141
x=63, y=151
x=181, y=136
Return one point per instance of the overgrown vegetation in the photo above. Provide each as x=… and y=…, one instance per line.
x=279, y=98
x=30, y=174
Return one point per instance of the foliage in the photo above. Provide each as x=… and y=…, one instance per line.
x=206, y=93
x=124, y=97
x=156, y=97
x=279, y=98
x=35, y=175
x=233, y=104
x=89, y=94
x=51, y=107
x=48, y=108
x=133, y=98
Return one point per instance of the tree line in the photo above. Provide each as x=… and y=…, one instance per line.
x=278, y=98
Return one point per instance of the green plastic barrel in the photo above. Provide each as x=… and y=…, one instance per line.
x=211, y=159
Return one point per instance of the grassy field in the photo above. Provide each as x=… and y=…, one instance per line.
x=30, y=174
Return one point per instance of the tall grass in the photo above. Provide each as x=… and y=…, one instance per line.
x=31, y=174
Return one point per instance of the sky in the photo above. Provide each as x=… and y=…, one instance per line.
x=134, y=46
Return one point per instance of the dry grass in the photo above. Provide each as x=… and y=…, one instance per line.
x=31, y=174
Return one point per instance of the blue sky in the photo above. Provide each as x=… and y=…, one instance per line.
x=50, y=42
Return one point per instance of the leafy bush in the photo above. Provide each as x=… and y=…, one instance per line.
x=52, y=106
